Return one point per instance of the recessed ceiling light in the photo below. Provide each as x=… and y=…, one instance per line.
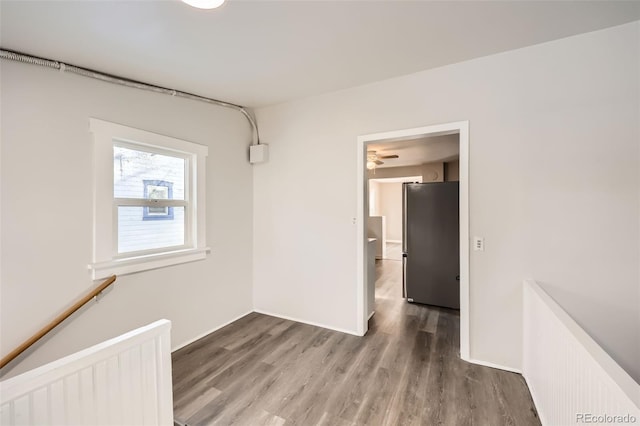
x=204, y=4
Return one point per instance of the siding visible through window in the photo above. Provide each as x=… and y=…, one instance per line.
x=142, y=174
x=158, y=190
x=150, y=200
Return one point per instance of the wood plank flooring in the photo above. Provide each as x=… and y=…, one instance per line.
x=263, y=370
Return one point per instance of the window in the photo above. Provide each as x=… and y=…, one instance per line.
x=158, y=190
x=149, y=200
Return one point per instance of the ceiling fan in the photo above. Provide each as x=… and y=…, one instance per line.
x=373, y=159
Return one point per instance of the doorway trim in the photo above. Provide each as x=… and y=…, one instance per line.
x=461, y=128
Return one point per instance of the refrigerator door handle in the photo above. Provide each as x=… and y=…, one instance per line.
x=404, y=240
x=404, y=274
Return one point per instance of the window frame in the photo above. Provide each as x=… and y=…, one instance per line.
x=146, y=212
x=106, y=260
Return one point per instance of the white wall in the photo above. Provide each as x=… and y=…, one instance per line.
x=374, y=198
x=391, y=208
x=433, y=172
x=395, y=172
x=47, y=214
x=554, y=183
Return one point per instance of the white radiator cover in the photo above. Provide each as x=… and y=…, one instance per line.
x=571, y=378
x=123, y=381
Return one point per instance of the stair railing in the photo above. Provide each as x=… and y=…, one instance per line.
x=56, y=321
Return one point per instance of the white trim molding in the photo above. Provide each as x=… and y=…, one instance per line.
x=492, y=365
x=462, y=129
x=259, y=311
x=146, y=262
x=206, y=333
x=124, y=380
x=315, y=324
x=572, y=379
x=107, y=260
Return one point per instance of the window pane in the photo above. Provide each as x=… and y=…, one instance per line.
x=141, y=174
x=137, y=232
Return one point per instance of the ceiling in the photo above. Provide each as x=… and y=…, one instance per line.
x=417, y=151
x=256, y=53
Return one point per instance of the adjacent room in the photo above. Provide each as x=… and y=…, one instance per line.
x=319, y=212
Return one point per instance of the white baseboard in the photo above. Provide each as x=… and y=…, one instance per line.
x=206, y=333
x=394, y=241
x=492, y=365
x=260, y=311
x=341, y=330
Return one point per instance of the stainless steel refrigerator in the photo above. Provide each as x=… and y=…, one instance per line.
x=431, y=243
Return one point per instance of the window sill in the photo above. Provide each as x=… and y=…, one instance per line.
x=144, y=263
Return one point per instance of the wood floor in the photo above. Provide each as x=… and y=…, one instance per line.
x=263, y=370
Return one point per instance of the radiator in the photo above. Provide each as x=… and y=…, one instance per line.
x=572, y=379
x=123, y=381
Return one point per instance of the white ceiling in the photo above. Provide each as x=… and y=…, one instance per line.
x=417, y=151
x=256, y=53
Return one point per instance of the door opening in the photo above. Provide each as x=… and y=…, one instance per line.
x=369, y=145
x=386, y=212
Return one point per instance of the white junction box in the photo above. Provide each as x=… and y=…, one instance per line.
x=258, y=153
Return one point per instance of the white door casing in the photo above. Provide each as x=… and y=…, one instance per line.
x=462, y=129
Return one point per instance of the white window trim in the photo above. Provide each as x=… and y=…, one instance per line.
x=106, y=261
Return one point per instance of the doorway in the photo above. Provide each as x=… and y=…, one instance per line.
x=398, y=137
x=385, y=209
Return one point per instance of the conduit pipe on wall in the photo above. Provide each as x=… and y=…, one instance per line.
x=86, y=72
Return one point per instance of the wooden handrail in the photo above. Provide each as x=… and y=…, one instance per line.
x=63, y=316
